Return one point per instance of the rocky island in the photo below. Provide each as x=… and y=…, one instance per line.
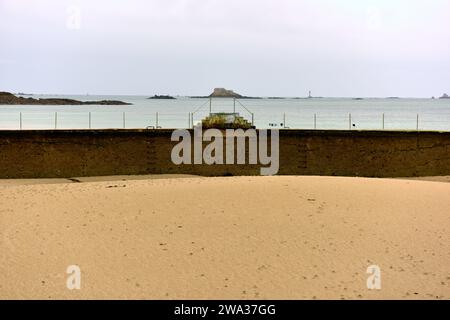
x=10, y=99
x=224, y=93
x=161, y=97
x=445, y=96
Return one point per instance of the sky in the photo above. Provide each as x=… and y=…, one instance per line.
x=335, y=48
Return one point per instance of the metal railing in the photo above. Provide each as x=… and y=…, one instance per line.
x=209, y=102
x=175, y=120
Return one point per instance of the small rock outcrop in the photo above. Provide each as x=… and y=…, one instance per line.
x=161, y=97
x=10, y=99
x=445, y=96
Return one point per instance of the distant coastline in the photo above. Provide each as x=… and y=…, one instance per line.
x=7, y=98
x=18, y=98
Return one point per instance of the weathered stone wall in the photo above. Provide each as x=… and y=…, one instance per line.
x=72, y=153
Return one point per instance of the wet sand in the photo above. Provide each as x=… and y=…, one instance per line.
x=225, y=238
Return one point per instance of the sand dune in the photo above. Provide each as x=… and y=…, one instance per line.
x=226, y=238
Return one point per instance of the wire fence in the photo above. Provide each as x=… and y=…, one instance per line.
x=179, y=120
x=286, y=118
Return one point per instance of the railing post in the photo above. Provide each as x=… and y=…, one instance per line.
x=20, y=120
x=349, y=121
x=90, y=120
x=56, y=120
x=383, y=120
x=315, y=121
x=189, y=120
x=210, y=105
x=234, y=105
x=123, y=119
x=253, y=119
x=417, y=122
x=284, y=120
x=192, y=120
x=156, y=120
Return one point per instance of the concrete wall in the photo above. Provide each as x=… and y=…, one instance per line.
x=72, y=153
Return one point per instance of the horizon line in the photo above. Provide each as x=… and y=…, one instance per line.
x=244, y=97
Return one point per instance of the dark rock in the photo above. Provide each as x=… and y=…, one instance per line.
x=161, y=97
x=9, y=98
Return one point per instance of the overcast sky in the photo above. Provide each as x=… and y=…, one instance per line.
x=258, y=47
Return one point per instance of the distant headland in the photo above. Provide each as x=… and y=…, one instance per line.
x=10, y=99
x=445, y=96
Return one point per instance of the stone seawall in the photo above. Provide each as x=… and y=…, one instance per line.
x=76, y=153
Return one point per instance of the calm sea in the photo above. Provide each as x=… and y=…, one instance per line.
x=320, y=113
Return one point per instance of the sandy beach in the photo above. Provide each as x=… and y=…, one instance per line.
x=279, y=237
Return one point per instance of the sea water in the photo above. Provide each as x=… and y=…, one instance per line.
x=318, y=113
